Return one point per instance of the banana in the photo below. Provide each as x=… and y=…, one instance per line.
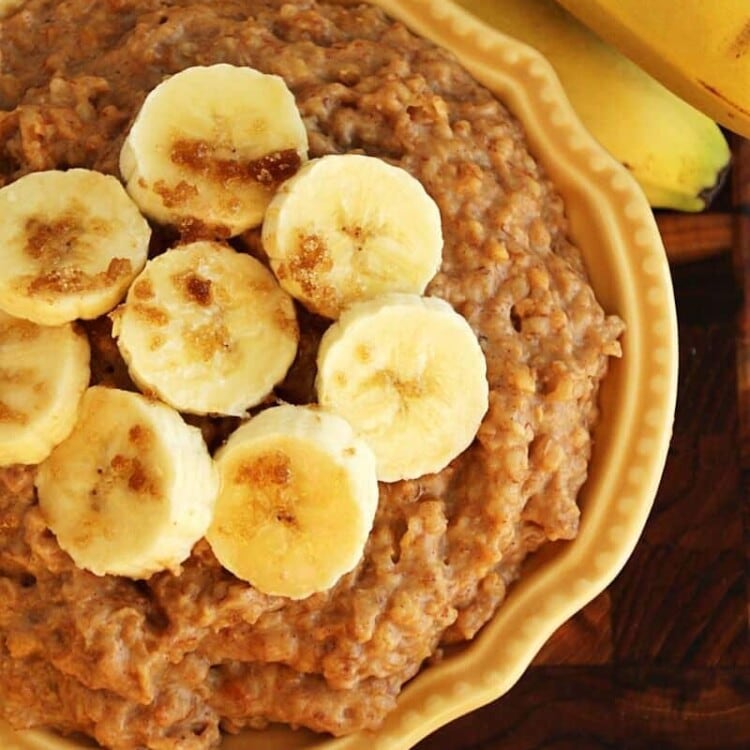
x=72, y=242
x=348, y=227
x=206, y=329
x=698, y=49
x=409, y=375
x=677, y=154
x=297, y=501
x=132, y=488
x=210, y=145
x=43, y=374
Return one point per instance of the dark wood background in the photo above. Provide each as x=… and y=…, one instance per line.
x=661, y=660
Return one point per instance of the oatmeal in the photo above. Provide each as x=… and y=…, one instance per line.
x=172, y=661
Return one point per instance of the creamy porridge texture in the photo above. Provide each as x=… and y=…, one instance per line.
x=172, y=661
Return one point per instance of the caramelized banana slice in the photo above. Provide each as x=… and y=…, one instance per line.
x=207, y=329
x=347, y=228
x=297, y=502
x=409, y=375
x=71, y=241
x=209, y=147
x=43, y=374
x=132, y=489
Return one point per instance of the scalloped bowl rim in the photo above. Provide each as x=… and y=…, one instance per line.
x=613, y=225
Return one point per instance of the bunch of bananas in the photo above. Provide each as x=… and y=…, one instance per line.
x=669, y=141
x=700, y=50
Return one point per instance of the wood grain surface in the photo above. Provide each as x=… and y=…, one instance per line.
x=661, y=660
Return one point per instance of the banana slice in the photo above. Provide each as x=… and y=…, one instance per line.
x=297, y=502
x=348, y=227
x=409, y=375
x=207, y=329
x=210, y=145
x=43, y=374
x=72, y=242
x=131, y=489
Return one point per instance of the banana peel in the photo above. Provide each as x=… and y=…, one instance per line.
x=699, y=49
x=678, y=155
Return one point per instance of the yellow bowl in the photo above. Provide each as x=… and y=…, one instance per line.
x=613, y=225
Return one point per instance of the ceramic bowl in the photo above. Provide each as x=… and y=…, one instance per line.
x=612, y=224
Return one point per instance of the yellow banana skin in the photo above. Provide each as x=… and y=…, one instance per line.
x=677, y=154
x=700, y=49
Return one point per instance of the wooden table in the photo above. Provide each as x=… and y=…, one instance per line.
x=661, y=660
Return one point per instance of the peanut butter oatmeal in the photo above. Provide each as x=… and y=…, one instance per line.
x=174, y=661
